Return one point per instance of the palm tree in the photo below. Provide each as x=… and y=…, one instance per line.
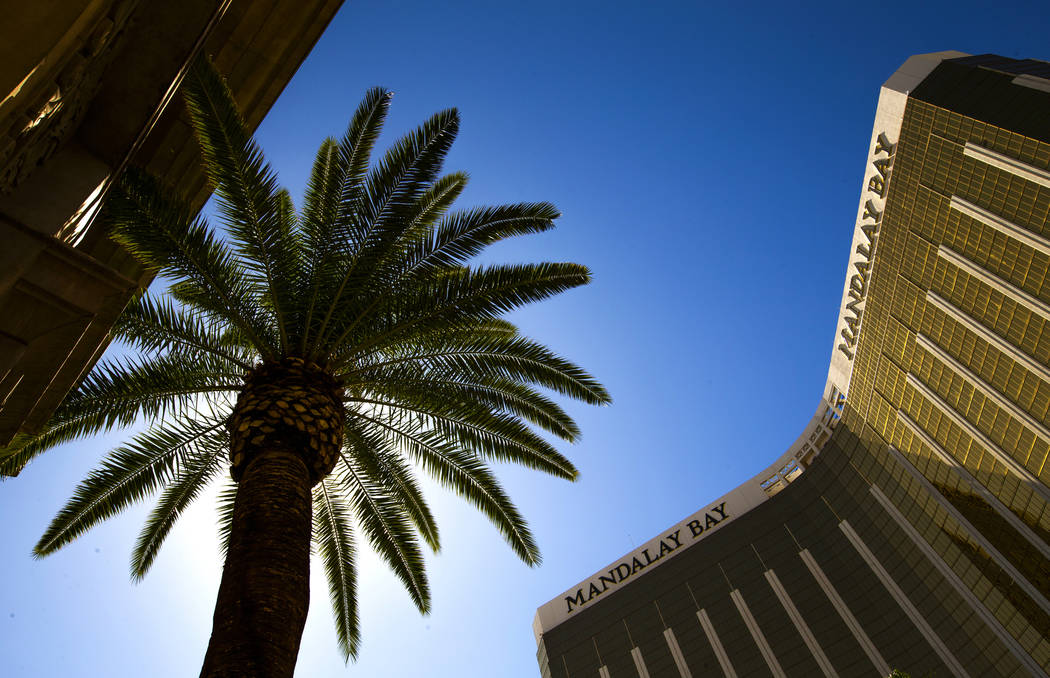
x=320, y=356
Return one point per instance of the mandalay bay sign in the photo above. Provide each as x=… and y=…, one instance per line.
x=655, y=552
x=650, y=555
x=634, y=563
x=861, y=265
x=882, y=163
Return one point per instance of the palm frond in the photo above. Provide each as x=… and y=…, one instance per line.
x=225, y=502
x=320, y=210
x=384, y=271
x=161, y=232
x=504, y=395
x=398, y=180
x=129, y=473
x=333, y=199
x=247, y=196
x=334, y=538
x=467, y=475
x=416, y=224
x=119, y=390
x=471, y=479
x=289, y=292
x=401, y=177
x=387, y=530
x=156, y=325
x=22, y=449
x=422, y=251
x=192, y=478
x=485, y=355
x=496, y=436
x=459, y=297
x=492, y=392
x=463, y=235
x=385, y=467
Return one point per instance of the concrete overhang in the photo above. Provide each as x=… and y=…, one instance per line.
x=90, y=86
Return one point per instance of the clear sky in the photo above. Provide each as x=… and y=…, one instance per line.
x=707, y=158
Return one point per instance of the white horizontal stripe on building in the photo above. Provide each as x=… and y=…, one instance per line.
x=902, y=600
x=962, y=589
x=1006, y=163
x=1018, y=469
x=1002, y=509
x=800, y=624
x=716, y=644
x=992, y=220
x=1037, y=306
x=851, y=622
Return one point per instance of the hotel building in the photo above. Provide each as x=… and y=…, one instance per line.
x=908, y=527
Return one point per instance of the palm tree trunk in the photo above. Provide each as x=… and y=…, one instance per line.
x=265, y=589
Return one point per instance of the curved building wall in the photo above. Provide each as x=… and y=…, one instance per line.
x=909, y=527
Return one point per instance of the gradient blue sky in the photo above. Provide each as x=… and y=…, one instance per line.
x=707, y=158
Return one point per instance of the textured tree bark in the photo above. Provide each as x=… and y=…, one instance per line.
x=264, y=594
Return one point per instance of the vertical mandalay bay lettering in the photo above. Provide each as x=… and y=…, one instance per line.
x=882, y=161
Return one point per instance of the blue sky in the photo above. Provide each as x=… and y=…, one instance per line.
x=707, y=158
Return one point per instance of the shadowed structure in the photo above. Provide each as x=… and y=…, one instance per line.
x=88, y=87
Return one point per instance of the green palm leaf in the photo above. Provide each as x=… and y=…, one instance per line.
x=193, y=477
x=118, y=391
x=24, y=447
x=463, y=235
x=399, y=179
x=493, y=354
x=385, y=467
x=129, y=474
x=224, y=509
x=332, y=197
x=156, y=325
x=459, y=297
x=161, y=233
x=334, y=537
x=496, y=436
x=249, y=203
x=468, y=477
x=388, y=530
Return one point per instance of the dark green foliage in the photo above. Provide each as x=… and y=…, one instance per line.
x=372, y=282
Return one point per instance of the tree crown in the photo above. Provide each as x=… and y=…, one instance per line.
x=371, y=283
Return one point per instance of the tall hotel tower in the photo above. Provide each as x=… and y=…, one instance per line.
x=908, y=527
